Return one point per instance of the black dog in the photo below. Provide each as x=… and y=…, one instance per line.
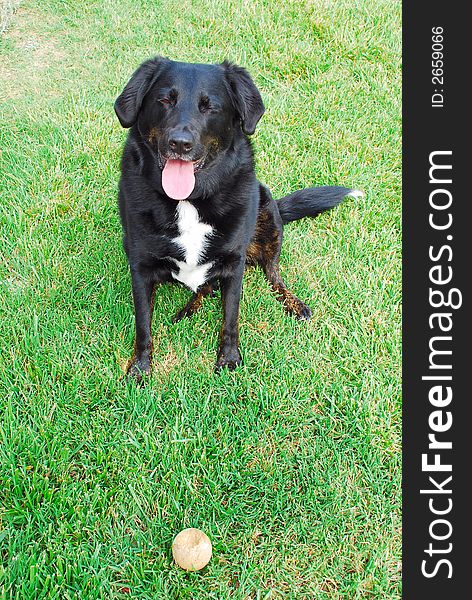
x=191, y=207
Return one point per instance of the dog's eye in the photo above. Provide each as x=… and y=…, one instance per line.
x=168, y=98
x=205, y=105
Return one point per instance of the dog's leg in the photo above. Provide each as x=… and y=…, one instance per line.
x=143, y=297
x=228, y=351
x=292, y=305
x=264, y=250
x=194, y=303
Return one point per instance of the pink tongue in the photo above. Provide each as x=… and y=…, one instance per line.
x=178, y=179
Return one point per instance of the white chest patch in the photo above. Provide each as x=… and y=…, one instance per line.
x=193, y=239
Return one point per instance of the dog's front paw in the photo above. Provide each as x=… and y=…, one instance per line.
x=228, y=359
x=139, y=370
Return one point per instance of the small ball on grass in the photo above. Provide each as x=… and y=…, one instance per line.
x=191, y=549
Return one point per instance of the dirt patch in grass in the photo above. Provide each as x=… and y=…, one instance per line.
x=7, y=9
x=36, y=51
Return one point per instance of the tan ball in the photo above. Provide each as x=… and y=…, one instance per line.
x=191, y=549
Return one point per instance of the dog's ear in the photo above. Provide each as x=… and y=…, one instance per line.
x=128, y=103
x=245, y=95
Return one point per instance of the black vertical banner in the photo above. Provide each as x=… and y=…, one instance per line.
x=437, y=230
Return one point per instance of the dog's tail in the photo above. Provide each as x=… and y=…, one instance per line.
x=310, y=202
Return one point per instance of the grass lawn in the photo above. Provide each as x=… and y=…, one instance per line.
x=291, y=464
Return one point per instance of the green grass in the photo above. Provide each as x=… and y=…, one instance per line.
x=291, y=464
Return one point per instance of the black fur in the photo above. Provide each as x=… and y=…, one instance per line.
x=201, y=113
x=311, y=202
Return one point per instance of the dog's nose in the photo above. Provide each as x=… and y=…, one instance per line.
x=181, y=141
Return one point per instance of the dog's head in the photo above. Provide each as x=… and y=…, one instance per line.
x=188, y=114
